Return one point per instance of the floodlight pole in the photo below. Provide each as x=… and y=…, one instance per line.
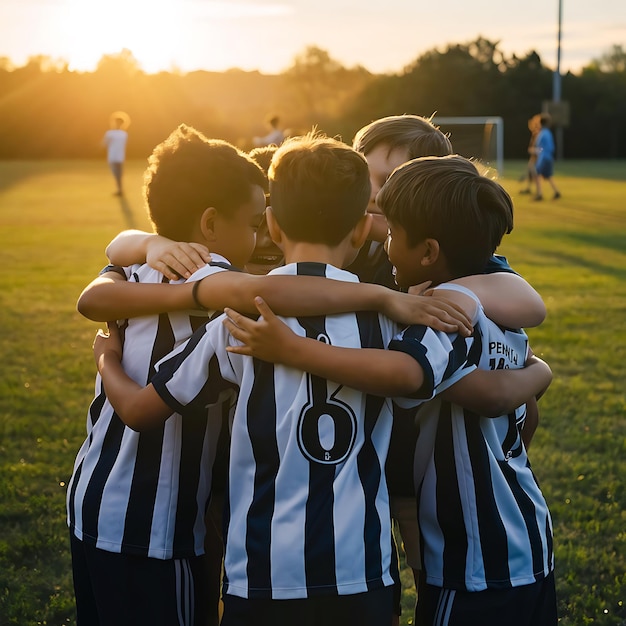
x=556, y=83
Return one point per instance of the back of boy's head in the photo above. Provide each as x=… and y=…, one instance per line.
x=188, y=173
x=319, y=188
x=417, y=134
x=447, y=199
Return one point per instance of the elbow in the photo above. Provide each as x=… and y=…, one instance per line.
x=406, y=384
x=494, y=403
x=137, y=420
x=537, y=313
x=86, y=307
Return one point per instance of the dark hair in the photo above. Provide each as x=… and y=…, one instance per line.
x=188, y=173
x=319, y=188
x=545, y=119
x=447, y=199
x=263, y=156
x=415, y=133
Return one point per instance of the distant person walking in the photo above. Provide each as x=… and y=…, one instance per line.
x=544, y=149
x=534, y=126
x=115, y=140
x=275, y=137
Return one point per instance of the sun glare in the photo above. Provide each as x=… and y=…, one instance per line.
x=148, y=28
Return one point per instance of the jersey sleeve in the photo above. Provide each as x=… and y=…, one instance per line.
x=445, y=359
x=199, y=373
x=118, y=269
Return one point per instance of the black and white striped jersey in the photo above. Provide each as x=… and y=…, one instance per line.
x=145, y=493
x=307, y=502
x=483, y=518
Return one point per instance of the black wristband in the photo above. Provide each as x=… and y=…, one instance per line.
x=194, y=295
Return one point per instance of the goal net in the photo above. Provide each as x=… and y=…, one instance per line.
x=479, y=138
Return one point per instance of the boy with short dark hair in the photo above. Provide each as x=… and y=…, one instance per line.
x=485, y=526
x=136, y=501
x=308, y=534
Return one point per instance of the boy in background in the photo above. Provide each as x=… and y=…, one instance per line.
x=115, y=140
x=544, y=149
x=136, y=501
x=486, y=531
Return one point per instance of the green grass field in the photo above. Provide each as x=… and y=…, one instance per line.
x=57, y=217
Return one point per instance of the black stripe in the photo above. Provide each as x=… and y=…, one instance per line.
x=193, y=437
x=528, y=511
x=92, y=501
x=448, y=499
x=144, y=485
x=491, y=527
x=261, y=425
x=370, y=470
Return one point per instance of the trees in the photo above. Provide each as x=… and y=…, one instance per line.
x=47, y=111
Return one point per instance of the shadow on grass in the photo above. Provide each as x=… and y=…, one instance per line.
x=594, y=266
x=127, y=212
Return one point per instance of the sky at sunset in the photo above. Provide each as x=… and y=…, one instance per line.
x=381, y=35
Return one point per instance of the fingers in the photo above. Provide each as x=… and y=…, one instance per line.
x=180, y=260
x=264, y=308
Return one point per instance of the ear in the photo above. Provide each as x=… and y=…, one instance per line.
x=432, y=252
x=207, y=223
x=361, y=231
x=273, y=227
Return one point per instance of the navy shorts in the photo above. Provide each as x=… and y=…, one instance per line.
x=545, y=167
x=125, y=590
x=529, y=605
x=372, y=608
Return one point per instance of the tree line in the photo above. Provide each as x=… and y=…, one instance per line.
x=47, y=111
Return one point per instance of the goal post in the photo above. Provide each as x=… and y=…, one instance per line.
x=484, y=142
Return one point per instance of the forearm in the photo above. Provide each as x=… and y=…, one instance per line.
x=294, y=296
x=531, y=422
x=106, y=300
x=375, y=371
x=129, y=247
x=134, y=404
x=498, y=392
x=289, y=295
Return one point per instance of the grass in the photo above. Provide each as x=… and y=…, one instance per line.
x=56, y=218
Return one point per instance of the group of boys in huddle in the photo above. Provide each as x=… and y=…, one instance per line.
x=340, y=407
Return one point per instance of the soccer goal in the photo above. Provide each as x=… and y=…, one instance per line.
x=480, y=138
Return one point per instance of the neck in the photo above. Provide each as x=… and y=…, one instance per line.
x=301, y=252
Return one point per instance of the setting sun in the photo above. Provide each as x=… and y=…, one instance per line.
x=267, y=35
x=148, y=28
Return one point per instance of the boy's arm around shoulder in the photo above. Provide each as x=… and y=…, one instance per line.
x=111, y=296
x=140, y=408
x=309, y=295
x=375, y=371
x=492, y=393
x=174, y=259
x=507, y=298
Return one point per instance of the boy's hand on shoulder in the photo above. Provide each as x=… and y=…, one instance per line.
x=176, y=259
x=267, y=338
x=428, y=309
x=109, y=342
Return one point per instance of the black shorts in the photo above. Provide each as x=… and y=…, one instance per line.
x=372, y=608
x=123, y=590
x=529, y=605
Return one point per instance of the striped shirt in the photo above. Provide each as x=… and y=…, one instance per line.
x=307, y=502
x=145, y=493
x=484, y=521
